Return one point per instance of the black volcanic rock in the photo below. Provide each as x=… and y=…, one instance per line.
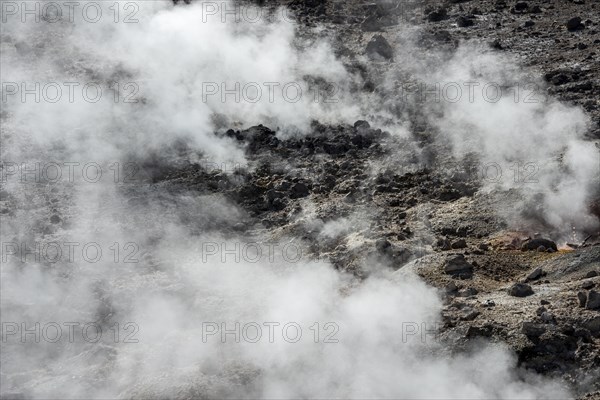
x=535, y=274
x=582, y=297
x=379, y=48
x=361, y=124
x=464, y=22
x=531, y=329
x=383, y=246
x=535, y=244
x=299, y=190
x=458, y=266
x=574, y=24
x=593, y=300
x=437, y=15
x=521, y=6
x=520, y=290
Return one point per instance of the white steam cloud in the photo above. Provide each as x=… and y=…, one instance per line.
x=166, y=76
x=484, y=104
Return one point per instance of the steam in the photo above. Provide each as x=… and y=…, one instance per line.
x=483, y=104
x=172, y=291
x=168, y=76
x=173, y=294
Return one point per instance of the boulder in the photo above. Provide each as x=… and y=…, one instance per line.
x=587, y=285
x=593, y=325
x=299, y=190
x=520, y=290
x=574, y=24
x=540, y=311
x=444, y=244
x=486, y=330
x=437, y=15
x=383, y=246
x=458, y=266
x=521, y=6
x=459, y=244
x=535, y=244
x=531, y=329
x=451, y=288
x=582, y=297
x=555, y=344
x=584, y=334
x=464, y=22
x=593, y=300
x=548, y=317
x=535, y=274
x=361, y=124
x=379, y=48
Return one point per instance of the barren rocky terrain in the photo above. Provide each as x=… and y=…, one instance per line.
x=406, y=201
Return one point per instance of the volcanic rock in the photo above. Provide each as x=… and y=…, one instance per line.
x=548, y=317
x=451, y=288
x=521, y=6
x=458, y=266
x=534, y=244
x=444, y=244
x=582, y=297
x=464, y=22
x=437, y=15
x=540, y=311
x=496, y=45
x=361, y=124
x=535, y=274
x=593, y=300
x=531, y=329
x=593, y=325
x=574, y=24
x=483, y=246
x=587, y=285
x=299, y=190
x=520, y=290
x=555, y=344
x=379, y=48
x=383, y=246
x=459, y=244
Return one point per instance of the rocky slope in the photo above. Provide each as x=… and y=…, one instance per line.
x=404, y=202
